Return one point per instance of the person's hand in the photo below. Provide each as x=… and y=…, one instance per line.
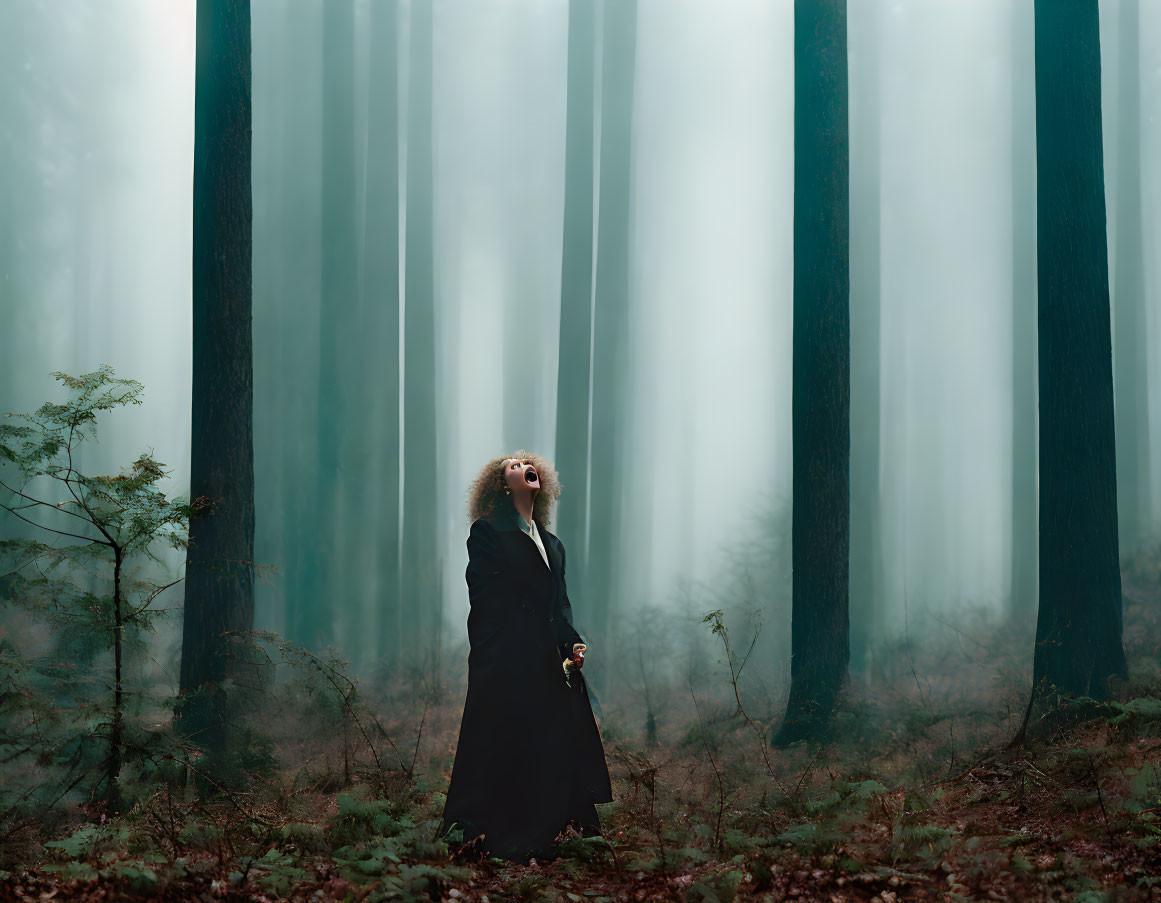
x=577, y=661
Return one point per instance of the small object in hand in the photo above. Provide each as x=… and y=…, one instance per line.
x=576, y=660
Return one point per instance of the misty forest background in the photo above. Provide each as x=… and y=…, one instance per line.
x=839, y=321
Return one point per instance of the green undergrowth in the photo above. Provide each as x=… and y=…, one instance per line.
x=386, y=847
x=916, y=797
x=1044, y=819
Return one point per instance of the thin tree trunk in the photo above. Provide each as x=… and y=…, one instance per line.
x=381, y=301
x=1131, y=381
x=422, y=606
x=1078, y=631
x=113, y=792
x=1022, y=590
x=820, y=641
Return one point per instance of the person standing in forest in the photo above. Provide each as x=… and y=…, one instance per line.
x=529, y=762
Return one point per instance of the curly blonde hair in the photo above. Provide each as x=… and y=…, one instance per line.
x=487, y=493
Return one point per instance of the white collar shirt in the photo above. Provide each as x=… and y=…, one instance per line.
x=534, y=534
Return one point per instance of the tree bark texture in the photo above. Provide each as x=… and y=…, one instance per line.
x=820, y=635
x=219, y=588
x=1078, y=631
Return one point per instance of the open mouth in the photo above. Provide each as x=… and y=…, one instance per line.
x=530, y=476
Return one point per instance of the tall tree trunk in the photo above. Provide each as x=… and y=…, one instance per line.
x=576, y=295
x=276, y=481
x=9, y=276
x=610, y=364
x=866, y=394
x=299, y=90
x=1078, y=631
x=819, y=636
x=1022, y=590
x=381, y=301
x=1131, y=379
x=422, y=605
x=219, y=586
x=16, y=182
x=339, y=415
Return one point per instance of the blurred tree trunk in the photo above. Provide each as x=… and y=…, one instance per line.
x=381, y=301
x=219, y=586
x=576, y=294
x=422, y=604
x=1022, y=590
x=276, y=481
x=339, y=415
x=1078, y=631
x=297, y=89
x=820, y=641
x=866, y=580
x=611, y=321
x=9, y=277
x=1131, y=380
x=26, y=100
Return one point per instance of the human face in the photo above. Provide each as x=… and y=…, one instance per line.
x=521, y=475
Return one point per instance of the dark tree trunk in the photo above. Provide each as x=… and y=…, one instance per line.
x=420, y=598
x=116, y=732
x=1078, y=631
x=820, y=642
x=866, y=545
x=1131, y=382
x=1022, y=590
x=576, y=293
x=219, y=586
x=381, y=301
x=611, y=319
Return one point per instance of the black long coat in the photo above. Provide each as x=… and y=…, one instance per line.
x=529, y=759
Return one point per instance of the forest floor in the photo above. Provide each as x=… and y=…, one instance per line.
x=917, y=798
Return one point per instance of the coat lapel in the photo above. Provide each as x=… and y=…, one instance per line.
x=508, y=521
x=553, y=557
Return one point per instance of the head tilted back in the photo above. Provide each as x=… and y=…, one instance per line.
x=487, y=496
